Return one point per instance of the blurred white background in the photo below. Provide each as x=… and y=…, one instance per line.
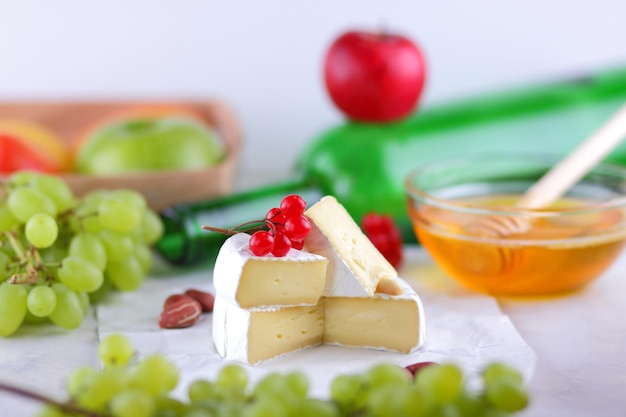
x=264, y=57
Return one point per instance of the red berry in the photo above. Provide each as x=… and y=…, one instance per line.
x=282, y=244
x=384, y=235
x=371, y=223
x=381, y=241
x=297, y=227
x=275, y=215
x=292, y=205
x=261, y=243
x=297, y=244
x=414, y=368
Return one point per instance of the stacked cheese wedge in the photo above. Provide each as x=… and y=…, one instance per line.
x=338, y=290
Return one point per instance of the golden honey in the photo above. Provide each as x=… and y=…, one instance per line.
x=555, y=253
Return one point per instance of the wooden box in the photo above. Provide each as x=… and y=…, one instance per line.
x=161, y=189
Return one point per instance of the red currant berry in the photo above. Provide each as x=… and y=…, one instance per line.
x=381, y=241
x=385, y=236
x=297, y=244
x=261, y=243
x=292, y=205
x=275, y=216
x=297, y=227
x=372, y=223
x=282, y=244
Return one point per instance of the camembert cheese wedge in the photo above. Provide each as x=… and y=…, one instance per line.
x=256, y=335
x=256, y=281
x=387, y=322
x=355, y=266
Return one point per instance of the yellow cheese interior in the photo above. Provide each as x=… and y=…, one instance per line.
x=274, y=282
x=372, y=322
x=274, y=332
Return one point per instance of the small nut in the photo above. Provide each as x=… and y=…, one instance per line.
x=171, y=299
x=388, y=286
x=179, y=313
x=205, y=299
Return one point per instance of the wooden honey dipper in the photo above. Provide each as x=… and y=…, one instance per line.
x=556, y=182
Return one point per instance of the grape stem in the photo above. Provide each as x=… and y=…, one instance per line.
x=17, y=247
x=66, y=408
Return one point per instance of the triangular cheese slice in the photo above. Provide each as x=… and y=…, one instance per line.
x=355, y=266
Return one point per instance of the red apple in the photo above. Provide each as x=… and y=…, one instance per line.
x=374, y=77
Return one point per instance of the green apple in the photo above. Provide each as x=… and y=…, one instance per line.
x=150, y=144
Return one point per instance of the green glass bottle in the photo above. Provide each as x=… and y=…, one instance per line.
x=364, y=165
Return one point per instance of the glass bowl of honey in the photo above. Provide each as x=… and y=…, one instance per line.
x=464, y=214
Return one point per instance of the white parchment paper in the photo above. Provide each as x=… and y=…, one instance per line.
x=461, y=326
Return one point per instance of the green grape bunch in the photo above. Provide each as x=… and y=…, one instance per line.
x=59, y=253
x=127, y=385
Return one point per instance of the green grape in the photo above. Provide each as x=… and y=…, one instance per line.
x=5, y=266
x=117, y=215
x=12, y=307
x=349, y=391
x=132, y=403
x=143, y=254
x=396, y=400
x=117, y=245
x=41, y=230
x=54, y=253
x=387, y=374
x=267, y=407
x=201, y=390
x=30, y=318
x=506, y=394
x=126, y=275
x=101, y=293
x=80, y=275
x=130, y=197
x=232, y=380
x=80, y=380
x=41, y=301
x=85, y=219
x=56, y=190
x=297, y=383
x=170, y=407
x=151, y=227
x=155, y=375
x=68, y=313
x=498, y=370
x=104, y=386
x=20, y=178
x=90, y=248
x=470, y=405
x=93, y=199
x=229, y=409
x=85, y=302
x=24, y=202
x=200, y=413
x=50, y=411
x=308, y=407
x=7, y=220
x=115, y=349
x=443, y=382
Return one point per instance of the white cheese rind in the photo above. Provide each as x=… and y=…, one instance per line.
x=396, y=322
x=258, y=281
x=355, y=266
x=252, y=336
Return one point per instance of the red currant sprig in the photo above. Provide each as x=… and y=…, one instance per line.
x=384, y=235
x=283, y=228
